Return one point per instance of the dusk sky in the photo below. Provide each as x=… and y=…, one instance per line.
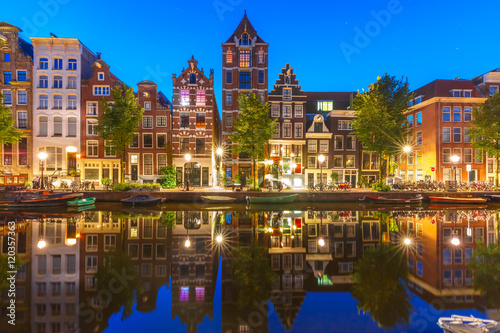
x=332, y=45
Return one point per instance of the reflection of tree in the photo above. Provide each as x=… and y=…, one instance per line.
x=167, y=219
x=252, y=274
x=117, y=280
x=485, y=264
x=5, y=267
x=379, y=287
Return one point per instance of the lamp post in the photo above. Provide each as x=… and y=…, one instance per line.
x=42, y=156
x=321, y=159
x=455, y=240
x=188, y=158
x=454, y=160
x=41, y=241
x=220, y=152
x=321, y=240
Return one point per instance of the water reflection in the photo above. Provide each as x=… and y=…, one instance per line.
x=98, y=263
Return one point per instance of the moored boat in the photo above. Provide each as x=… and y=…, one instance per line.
x=462, y=324
x=81, y=202
x=272, y=200
x=36, y=198
x=381, y=200
x=217, y=199
x=142, y=200
x=450, y=200
x=492, y=197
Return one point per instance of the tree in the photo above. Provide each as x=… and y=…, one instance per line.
x=119, y=121
x=485, y=264
x=169, y=179
x=379, y=122
x=8, y=132
x=253, y=128
x=485, y=133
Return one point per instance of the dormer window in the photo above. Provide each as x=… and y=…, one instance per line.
x=467, y=93
x=244, y=40
x=455, y=93
x=192, y=78
x=493, y=90
x=418, y=99
x=325, y=105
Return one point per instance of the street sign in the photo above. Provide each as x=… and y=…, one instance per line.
x=433, y=168
x=468, y=167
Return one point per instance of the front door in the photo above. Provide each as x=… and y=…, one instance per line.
x=244, y=173
x=116, y=178
x=71, y=161
x=310, y=179
x=195, y=175
x=204, y=176
x=473, y=175
x=133, y=171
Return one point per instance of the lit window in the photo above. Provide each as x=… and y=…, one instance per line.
x=229, y=56
x=200, y=97
x=184, y=296
x=200, y=294
x=325, y=105
x=244, y=58
x=260, y=56
x=200, y=120
x=184, y=97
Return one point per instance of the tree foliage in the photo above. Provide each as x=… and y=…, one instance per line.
x=119, y=121
x=379, y=287
x=379, y=122
x=253, y=128
x=485, y=264
x=8, y=132
x=485, y=133
x=169, y=179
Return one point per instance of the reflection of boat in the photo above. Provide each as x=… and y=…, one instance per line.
x=450, y=200
x=464, y=324
x=380, y=200
x=36, y=198
x=142, y=200
x=81, y=208
x=451, y=206
x=81, y=202
x=271, y=200
x=217, y=199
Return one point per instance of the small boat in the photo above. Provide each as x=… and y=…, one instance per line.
x=381, y=200
x=492, y=197
x=450, y=200
x=463, y=324
x=142, y=200
x=36, y=198
x=272, y=200
x=217, y=199
x=81, y=202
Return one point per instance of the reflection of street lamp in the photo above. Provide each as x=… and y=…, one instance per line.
x=455, y=240
x=41, y=242
x=321, y=159
x=454, y=160
x=321, y=240
x=188, y=158
x=42, y=156
x=218, y=239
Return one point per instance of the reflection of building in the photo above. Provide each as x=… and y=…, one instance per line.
x=98, y=159
x=55, y=275
x=60, y=65
x=16, y=65
x=287, y=102
x=196, y=125
x=194, y=267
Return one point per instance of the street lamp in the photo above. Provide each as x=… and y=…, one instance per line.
x=42, y=156
x=407, y=149
x=321, y=159
x=407, y=241
x=41, y=241
x=220, y=152
x=188, y=158
x=454, y=160
x=321, y=240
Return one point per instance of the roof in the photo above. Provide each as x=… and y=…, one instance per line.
x=146, y=83
x=9, y=27
x=26, y=47
x=244, y=25
x=162, y=99
x=442, y=88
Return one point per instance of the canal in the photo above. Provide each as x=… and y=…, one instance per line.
x=260, y=268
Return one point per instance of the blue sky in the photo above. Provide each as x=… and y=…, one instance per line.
x=421, y=39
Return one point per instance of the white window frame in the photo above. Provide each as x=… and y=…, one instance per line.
x=297, y=113
x=296, y=126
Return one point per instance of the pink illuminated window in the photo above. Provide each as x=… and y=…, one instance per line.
x=184, y=294
x=200, y=294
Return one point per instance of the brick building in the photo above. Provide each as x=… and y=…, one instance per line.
x=244, y=70
x=16, y=68
x=195, y=126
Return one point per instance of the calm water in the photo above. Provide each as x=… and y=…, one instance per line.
x=231, y=268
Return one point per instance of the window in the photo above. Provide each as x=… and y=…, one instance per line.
x=57, y=82
x=446, y=113
x=229, y=98
x=71, y=82
x=91, y=109
x=446, y=155
x=6, y=57
x=184, y=97
x=275, y=110
x=147, y=122
x=245, y=80
x=229, y=76
x=90, y=264
x=71, y=102
x=446, y=134
x=57, y=126
x=7, y=97
x=298, y=111
x=419, y=156
x=22, y=97
x=92, y=148
x=161, y=121
x=184, y=119
x=410, y=121
x=420, y=268
x=7, y=77
x=229, y=119
x=419, y=118
x=200, y=120
x=312, y=162
x=287, y=111
x=350, y=163
x=418, y=138
x=457, y=134
x=467, y=155
x=148, y=164
x=467, y=114
x=245, y=58
x=350, y=142
x=458, y=256
x=147, y=140
x=287, y=130
x=478, y=156
x=323, y=146
x=72, y=127
x=100, y=76
x=261, y=76
x=58, y=63
x=200, y=97
x=370, y=161
x=162, y=161
x=344, y=125
x=43, y=81
x=312, y=146
x=109, y=242
x=467, y=93
x=287, y=94
x=21, y=76
x=192, y=78
x=101, y=90
x=325, y=105
x=109, y=149
x=455, y=93
x=57, y=99
x=493, y=90
x=260, y=56
x=43, y=124
x=22, y=151
x=276, y=133
x=200, y=145
x=184, y=145
x=338, y=161
x=7, y=154
x=229, y=56
x=298, y=130
x=72, y=64
x=43, y=63
x=466, y=134
x=339, y=142
x=457, y=114
x=161, y=140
